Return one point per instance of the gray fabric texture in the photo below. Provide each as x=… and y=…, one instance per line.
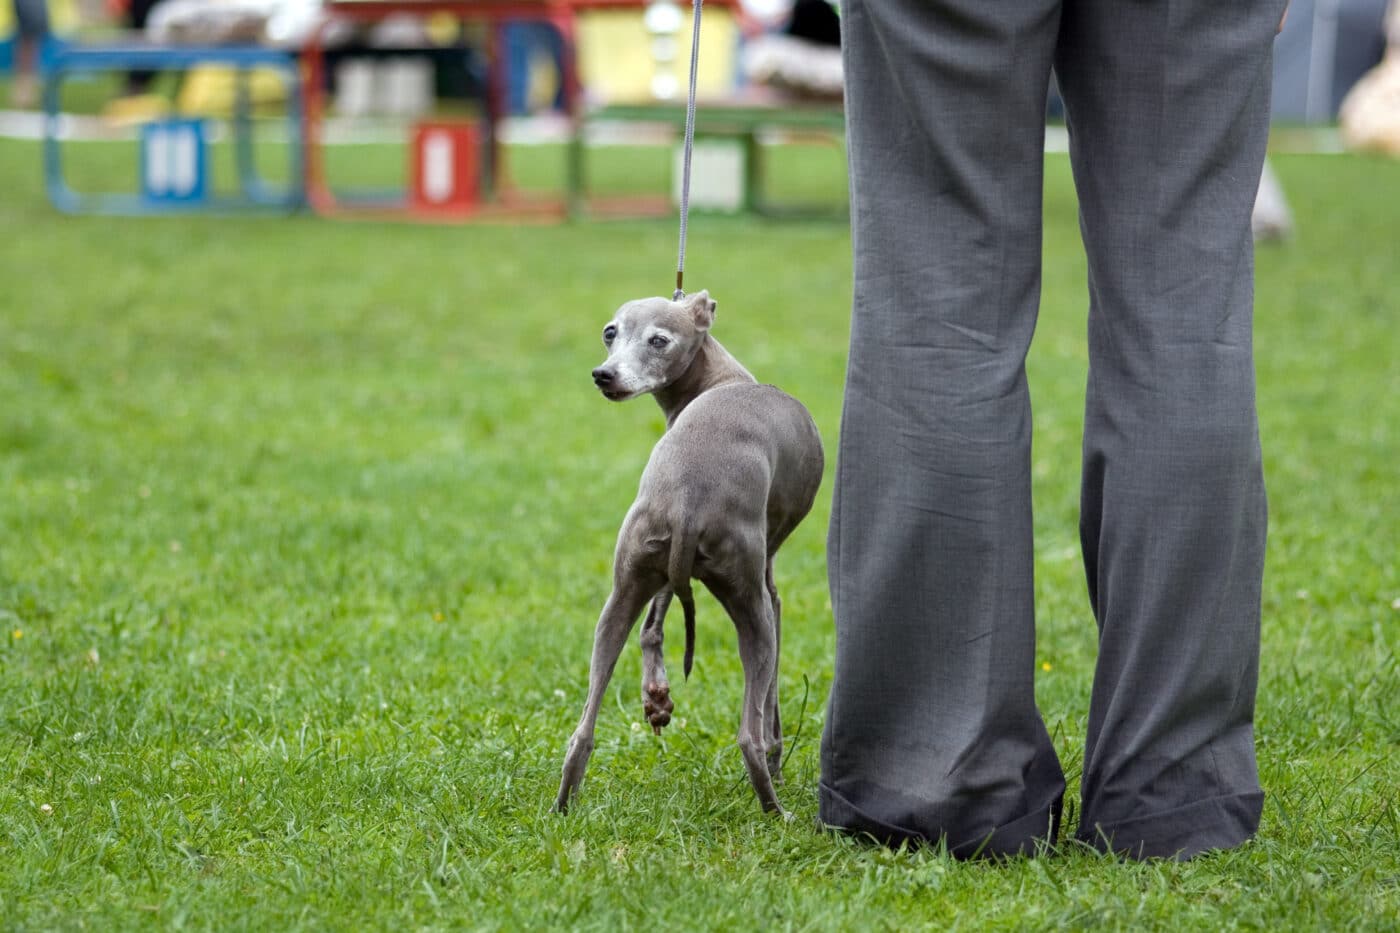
x=932, y=730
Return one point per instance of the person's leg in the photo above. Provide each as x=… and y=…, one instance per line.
x=24, y=81
x=32, y=18
x=139, y=11
x=1168, y=108
x=932, y=730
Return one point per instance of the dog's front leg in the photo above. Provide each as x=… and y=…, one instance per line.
x=614, y=625
x=656, y=689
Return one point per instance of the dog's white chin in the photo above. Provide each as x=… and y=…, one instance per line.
x=618, y=395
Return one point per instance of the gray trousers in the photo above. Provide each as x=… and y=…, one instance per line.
x=932, y=730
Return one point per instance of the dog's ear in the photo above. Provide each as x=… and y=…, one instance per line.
x=702, y=309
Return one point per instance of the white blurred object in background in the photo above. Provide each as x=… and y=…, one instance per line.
x=1370, y=115
x=1271, y=220
x=663, y=20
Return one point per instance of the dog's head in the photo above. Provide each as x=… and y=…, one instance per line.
x=651, y=343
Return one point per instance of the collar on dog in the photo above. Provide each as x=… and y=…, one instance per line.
x=689, y=145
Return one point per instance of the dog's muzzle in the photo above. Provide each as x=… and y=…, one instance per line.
x=606, y=380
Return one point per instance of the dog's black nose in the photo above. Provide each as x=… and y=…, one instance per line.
x=603, y=377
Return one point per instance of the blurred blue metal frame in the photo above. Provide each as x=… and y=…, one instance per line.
x=255, y=193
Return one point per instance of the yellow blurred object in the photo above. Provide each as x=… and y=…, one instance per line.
x=134, y=109
x=443, y=28
x=209, y=90
x=543, y=83
x=615, y=60
x=64, y=17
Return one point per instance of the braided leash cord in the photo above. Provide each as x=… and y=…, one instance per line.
x=689, y=145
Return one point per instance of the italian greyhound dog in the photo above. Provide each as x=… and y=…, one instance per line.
x=735, y=472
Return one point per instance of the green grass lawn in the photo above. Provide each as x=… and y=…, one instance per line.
x=304, y=528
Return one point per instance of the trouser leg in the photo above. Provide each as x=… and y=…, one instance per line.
x=932, y=730
x=1168, y=111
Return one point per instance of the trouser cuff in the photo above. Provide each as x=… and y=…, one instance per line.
x=1025, y=835
x=1181, y=832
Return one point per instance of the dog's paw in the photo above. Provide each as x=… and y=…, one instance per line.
x=656, y=702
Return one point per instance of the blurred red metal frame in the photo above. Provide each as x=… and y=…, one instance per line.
x=499, y=200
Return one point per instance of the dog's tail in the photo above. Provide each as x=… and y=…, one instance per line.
x=682, y=562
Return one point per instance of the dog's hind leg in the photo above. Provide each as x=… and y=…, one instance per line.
x=656, y=689
x=772, y=720
x=614, y=625
x=752, y=612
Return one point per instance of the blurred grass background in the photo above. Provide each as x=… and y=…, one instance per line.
x=304, y=527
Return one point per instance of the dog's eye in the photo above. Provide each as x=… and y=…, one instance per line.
x=609, y=333
x=658, y=341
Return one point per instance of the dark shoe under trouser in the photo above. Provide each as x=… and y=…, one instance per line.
x=933, y=731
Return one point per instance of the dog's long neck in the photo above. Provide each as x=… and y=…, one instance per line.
x=713, y=366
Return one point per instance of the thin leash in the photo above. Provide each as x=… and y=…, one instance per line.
x=689, y=146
